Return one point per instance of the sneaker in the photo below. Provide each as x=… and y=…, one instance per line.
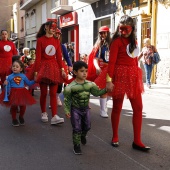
x=83, y=139
x=59, y=101
x=77, y=150
x=57, y=120
x=21, y=121
x=44, y=117
x=15, y=123
x=103, y=114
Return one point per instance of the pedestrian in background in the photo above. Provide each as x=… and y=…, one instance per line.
x=125, y=78
x=26, y=56
x=16, y=95
x=66, y=62
x=98, y=62
x=48, y=69
x=7, y=50
x=147, y=54
x=70, y=50
x=84, y=57
x=76, y=100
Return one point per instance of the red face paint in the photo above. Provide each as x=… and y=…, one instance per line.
x=125, y=30
x=53, y=26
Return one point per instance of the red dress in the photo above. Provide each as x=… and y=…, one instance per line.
x=7, y=50
x=100, y=79
x=48, y=61
x=124, y=71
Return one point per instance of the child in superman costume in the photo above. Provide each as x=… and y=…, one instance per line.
x=16, y=94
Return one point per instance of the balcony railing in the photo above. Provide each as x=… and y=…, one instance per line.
x=89, y=1
x=62, y=7
x=26, y=4
x=58, y=3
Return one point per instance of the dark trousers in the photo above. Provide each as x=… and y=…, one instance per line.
x=80, y=121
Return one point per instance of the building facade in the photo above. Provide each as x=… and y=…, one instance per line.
x=79, y=21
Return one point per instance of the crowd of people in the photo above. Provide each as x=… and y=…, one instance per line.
x=110, y=71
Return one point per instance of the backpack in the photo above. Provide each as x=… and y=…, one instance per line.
x=156, y=58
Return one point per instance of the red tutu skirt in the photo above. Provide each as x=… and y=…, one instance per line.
x=49, y=73
x=127, y=80
x=5, y=66
x=101, y=79
x=18, y=97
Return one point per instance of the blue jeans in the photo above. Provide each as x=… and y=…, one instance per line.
x=148, y=72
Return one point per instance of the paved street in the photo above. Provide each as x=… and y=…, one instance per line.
x=40, y=146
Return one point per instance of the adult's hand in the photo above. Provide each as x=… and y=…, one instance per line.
x=109, y=86
x=98, y=70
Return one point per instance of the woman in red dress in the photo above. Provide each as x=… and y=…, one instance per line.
x=48, y=69
x=7, y=50
x=124, y=77
x=97, y=65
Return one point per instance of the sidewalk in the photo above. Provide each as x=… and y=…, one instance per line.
x=158, y=88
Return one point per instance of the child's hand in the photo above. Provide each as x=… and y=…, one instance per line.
x=35, y=76
x=70, y=69
x=63, y=74
x=68, y=115
x=5, y=82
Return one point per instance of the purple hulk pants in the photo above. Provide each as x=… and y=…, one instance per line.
x=80, y=119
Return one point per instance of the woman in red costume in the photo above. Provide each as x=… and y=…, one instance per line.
x=124, y=77
x=48, y=69
x=97, y=65
x=67, y=65
x=7, y=50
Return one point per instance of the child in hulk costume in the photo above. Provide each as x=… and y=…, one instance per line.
x=76, y=100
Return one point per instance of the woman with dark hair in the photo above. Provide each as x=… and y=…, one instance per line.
x=7, y=50
x=124, y=77
x=67, y=65
x=97, y=65
x=48, y=68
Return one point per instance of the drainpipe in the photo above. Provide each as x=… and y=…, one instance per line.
x=153, y=35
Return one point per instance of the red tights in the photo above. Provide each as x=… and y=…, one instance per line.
x=14, y=111
x=3, y=78
x=53, y=100
x=136, y=120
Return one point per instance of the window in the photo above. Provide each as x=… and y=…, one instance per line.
x=106, y=2
x=44, y=12
x=22, y=24
x=33, y=20
x=34, y=42
x=27, y=21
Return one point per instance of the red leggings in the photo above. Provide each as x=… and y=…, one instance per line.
x=53, y=100
x=3, y=78
x=14, y=111
x=137, y=107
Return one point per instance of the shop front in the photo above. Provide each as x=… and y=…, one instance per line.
x=70, y=31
